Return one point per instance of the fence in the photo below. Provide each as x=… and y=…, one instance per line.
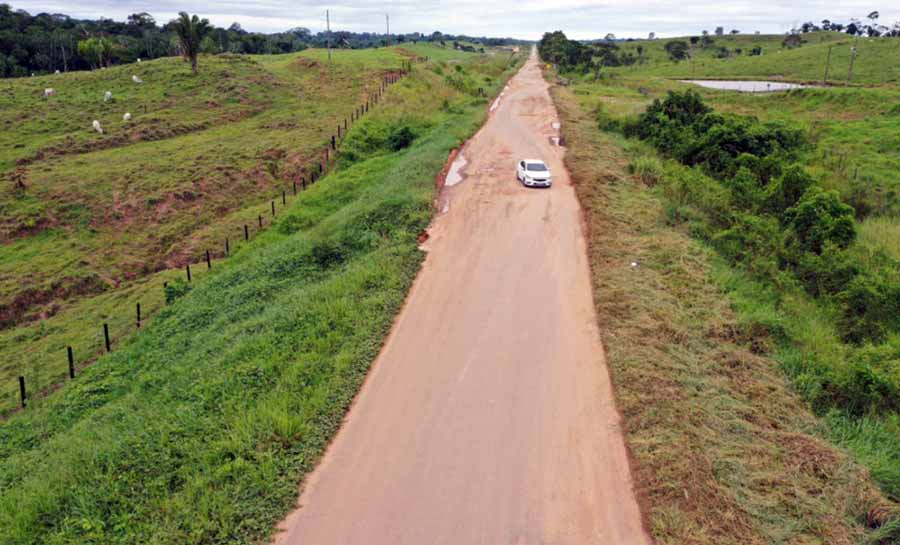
x=298, y=184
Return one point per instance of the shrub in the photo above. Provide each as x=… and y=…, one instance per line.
x=820, y=218
x=175, y=290
x=786, y=190
x=871, y=308
x=400, y=138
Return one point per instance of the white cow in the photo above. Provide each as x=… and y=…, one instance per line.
x=97, y=126
x=107, y=96
x=127, y=117
x=49, y=92
x=136, y=79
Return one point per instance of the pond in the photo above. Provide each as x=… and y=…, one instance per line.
x=745, y=86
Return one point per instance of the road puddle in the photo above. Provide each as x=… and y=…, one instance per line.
x=455, y=175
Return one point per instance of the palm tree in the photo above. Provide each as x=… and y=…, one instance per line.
x=190, y=31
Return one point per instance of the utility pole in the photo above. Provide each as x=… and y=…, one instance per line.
x=387, y=23
x=328, y=33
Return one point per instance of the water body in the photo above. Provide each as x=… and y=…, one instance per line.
x=746, y=86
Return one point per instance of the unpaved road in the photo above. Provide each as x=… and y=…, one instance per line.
x=488, y=418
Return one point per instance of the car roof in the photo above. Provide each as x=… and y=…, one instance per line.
x=535, y=161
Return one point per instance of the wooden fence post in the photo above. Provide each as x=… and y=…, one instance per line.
x=208, y=261
x=246, y=233
x=106, y=337
x=22, y=390
x=227, y=248
x=71, y=362
x=284, y=197
x=273, y=208
x=138, y=315
x=260, y=221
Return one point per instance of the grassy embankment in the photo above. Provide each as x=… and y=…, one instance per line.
x=852, y=148
x=103, y=219
x=725, y=451
x=806, y=63
x=198, y=429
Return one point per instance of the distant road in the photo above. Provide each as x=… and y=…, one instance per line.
x=488, y=418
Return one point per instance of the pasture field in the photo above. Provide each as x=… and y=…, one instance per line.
x=104, y=220
x=198, y=429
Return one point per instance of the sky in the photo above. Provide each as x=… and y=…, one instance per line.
x=526, y=19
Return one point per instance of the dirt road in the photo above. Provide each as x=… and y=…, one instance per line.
x=488, y=418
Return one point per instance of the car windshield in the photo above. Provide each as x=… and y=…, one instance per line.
x=535, y=166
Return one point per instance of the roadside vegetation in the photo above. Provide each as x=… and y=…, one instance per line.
x=791, y=200
x=199, y=428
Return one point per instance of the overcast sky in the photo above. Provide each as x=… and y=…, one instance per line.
x=527, y=19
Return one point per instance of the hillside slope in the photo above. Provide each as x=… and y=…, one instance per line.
x=198, y=429
x=102, y=221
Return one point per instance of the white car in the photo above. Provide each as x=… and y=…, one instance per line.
x=533, y=173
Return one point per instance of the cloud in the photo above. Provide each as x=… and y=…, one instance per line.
x=522, y=19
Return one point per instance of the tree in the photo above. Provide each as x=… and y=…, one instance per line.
x=677, y=50
x=190, y=31
x=720, y=31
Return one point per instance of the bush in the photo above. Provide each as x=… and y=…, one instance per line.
x=786, y=191
x=175, y=290
x=400, y=138
x=871, y=308
x=821, y=218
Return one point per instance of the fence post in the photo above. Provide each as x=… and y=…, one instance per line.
x=321, y=169
x=187, y=269
x=260, y=221
x=339, y=130
x=71, y=362
x=227, y=248
x=345, y=124
x=284, y=197
x=333, y=142
x=106, y=337
x=295, y=187
x=208, y=260
x=138, y=314
x=246, y=233
x=273, y=208
x=22, y=390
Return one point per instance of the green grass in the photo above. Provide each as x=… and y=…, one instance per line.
x=198, y=429
x=104, y=217
x=873, y=63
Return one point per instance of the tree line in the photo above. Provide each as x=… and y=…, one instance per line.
x=46, y=43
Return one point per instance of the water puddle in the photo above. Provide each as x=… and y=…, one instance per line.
x=746, y=86
x=454, y=176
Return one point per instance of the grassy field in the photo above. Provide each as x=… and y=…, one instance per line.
x=725, y=450
x=103, y=219
x=807, y=63
x=198, y=429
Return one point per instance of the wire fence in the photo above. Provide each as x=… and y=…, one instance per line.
x=331, y=150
